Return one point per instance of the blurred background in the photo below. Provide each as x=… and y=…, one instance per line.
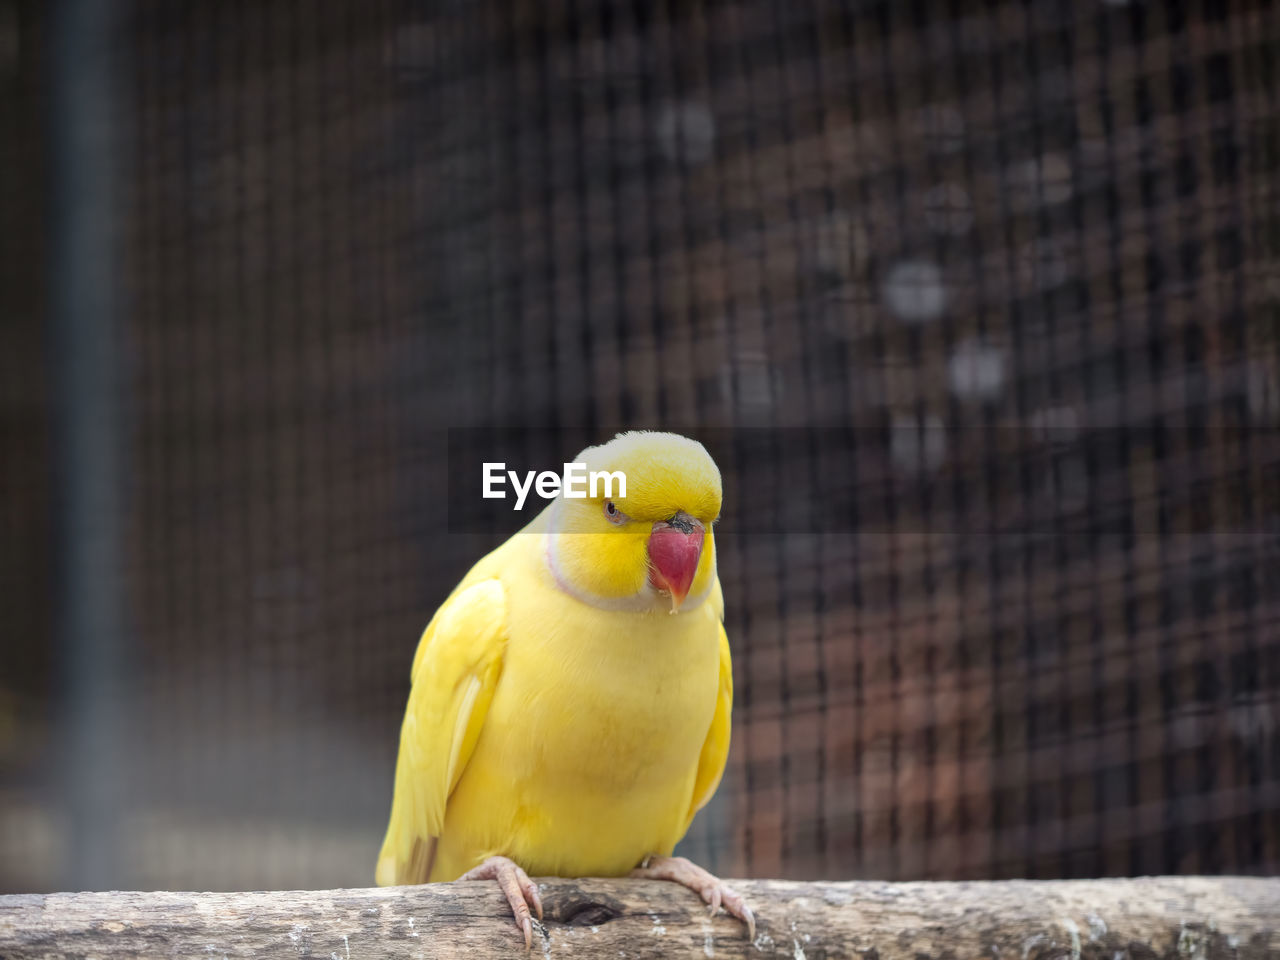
x=979, y=301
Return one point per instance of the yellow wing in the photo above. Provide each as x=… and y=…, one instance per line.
x=715, y=749
x=455, y=670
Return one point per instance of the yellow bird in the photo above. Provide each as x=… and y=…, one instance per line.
x=570, y=700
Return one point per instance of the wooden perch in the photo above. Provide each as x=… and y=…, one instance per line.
x=1188, y=918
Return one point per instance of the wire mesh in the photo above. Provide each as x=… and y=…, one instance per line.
x=976, y=304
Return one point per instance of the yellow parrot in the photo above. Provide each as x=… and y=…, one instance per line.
x=570, y=700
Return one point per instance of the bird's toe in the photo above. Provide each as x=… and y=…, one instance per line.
x=520, y=891
x=713, y=892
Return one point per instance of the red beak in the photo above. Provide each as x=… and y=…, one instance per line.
x=675, y=546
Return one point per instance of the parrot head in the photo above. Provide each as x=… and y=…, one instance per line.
x=650, y=549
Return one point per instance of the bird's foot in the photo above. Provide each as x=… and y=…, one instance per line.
x=707, y=886
x=520, y=891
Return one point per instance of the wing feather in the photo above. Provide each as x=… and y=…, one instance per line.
x=455, y=671
x=715, y=749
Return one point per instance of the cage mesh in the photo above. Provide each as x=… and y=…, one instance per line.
x=979, y=303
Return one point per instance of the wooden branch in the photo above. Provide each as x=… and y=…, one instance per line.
x=1169, y=918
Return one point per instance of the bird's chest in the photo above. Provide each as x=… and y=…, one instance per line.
x=616, y=715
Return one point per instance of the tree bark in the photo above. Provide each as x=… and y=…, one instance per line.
x=1161, y=918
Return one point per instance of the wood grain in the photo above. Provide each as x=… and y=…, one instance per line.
x=1182, y=918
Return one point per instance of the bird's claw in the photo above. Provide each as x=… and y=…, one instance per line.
x=520, y=891
x=712, y=890
x=736, y=906
x=749, y=919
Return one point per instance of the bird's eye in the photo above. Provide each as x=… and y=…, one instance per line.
x=612, y=513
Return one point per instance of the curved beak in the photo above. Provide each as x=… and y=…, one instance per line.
x=675, y=547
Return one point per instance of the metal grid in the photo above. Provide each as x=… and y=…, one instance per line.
x=976, y=306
